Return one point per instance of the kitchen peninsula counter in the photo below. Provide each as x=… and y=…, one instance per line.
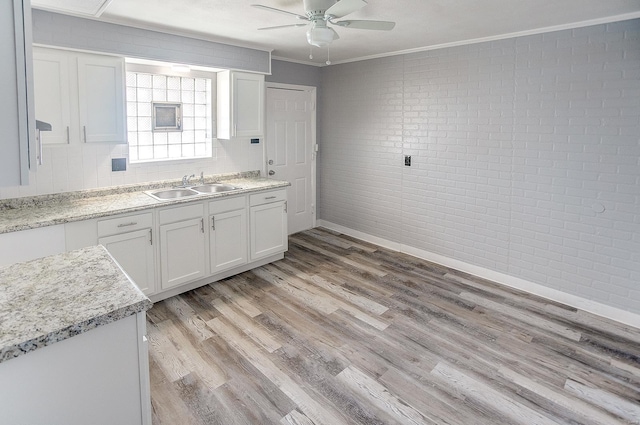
x=48, y=210
x=51, y=299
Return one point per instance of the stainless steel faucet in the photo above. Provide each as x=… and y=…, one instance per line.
x=185, y=179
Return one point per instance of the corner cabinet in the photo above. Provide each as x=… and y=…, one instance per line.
x=268, y=224
x=240, y=105
x=17, y=119
x=129, y=240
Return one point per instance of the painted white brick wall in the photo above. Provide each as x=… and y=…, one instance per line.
x=516, y=147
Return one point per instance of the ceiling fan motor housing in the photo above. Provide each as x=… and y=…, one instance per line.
x=314, y=9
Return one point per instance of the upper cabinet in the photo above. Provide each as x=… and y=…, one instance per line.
x=80, y=95
x=240, y=105
x=52, y=94
x=16, y=120
x=101, y=99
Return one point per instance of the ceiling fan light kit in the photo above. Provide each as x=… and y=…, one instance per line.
x=320, y=13
x=320, y=35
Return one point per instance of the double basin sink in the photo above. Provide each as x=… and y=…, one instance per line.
x=186, y=192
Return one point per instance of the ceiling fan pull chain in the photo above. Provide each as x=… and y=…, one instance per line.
x=310, y=52
x=328, y=59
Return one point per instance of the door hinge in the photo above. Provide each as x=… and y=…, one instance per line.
x=150, y=237
x=213, y=223
x=285, y=206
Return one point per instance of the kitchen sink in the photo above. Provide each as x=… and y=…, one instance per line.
x=214, y=188
x=167, y=194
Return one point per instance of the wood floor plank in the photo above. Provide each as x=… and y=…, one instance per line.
x=306, y=403
x=606, y=401
x=380, y=397
x=341, y=331
x=484, y=394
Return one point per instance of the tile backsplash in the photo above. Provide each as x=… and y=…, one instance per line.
x=80, y=167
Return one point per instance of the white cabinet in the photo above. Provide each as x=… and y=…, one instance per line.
x=240, y=105
x=182, y=245
x=80, y=95
x=268, y=224
x=98, y=377
x=101, y=99
x=228, y=234
x=16, y=120
x=52, y=94
x=129, y=239
x=30, y=244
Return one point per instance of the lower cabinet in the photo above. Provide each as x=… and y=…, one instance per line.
x=228, y=234
x=129, y=239
x=268, y=224
x=182, y=245
x=134, y=252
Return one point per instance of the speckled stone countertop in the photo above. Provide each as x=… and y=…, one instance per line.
x=51, y=299
x=47, y=210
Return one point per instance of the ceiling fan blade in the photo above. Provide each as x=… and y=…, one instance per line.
x=273, y=9
x=283, y=26
x=344, y=7
x=367, y=25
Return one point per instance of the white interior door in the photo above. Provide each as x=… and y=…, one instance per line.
x=290, y=145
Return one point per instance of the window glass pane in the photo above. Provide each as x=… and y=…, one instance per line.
x=191, y=95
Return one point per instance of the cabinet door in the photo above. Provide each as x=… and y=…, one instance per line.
x=182, y=252
x=228, y=240
x=134, y=252
x=248, y=104
x=51, y=91
x=268, y=229
x=101, y=99
x=16, y=119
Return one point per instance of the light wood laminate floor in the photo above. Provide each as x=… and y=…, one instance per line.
x=344, y=332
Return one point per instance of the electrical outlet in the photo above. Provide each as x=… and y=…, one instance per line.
x=407, y=160
x=118, y=164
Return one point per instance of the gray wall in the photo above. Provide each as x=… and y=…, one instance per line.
x=294, y=73
x=526, y=156
x=71, y=32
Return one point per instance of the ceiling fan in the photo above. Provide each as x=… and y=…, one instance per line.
x=320, y=13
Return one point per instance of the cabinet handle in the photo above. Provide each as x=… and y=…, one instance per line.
x=84, y=132
x=270, y=197
x=39, y=140
x=202, y=225
x=213, y=223
x=133, y=223
x=150, y=237
x=68, y=134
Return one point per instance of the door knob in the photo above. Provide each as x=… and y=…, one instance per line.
x=270, y=162
x=271, y=172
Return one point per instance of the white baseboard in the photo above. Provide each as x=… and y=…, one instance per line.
x=613, y=313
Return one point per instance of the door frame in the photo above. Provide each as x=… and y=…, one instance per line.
x=314, y=146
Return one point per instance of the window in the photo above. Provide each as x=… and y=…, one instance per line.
x=168, y=117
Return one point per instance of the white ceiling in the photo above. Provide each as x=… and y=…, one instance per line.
x=421, y=24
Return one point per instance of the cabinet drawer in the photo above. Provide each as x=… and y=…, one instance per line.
x=229, y=204
x=268, y=197
x=172, y=215
x=128, y=223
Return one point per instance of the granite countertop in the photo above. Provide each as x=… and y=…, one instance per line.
x=50, y=299
x=47, y=210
